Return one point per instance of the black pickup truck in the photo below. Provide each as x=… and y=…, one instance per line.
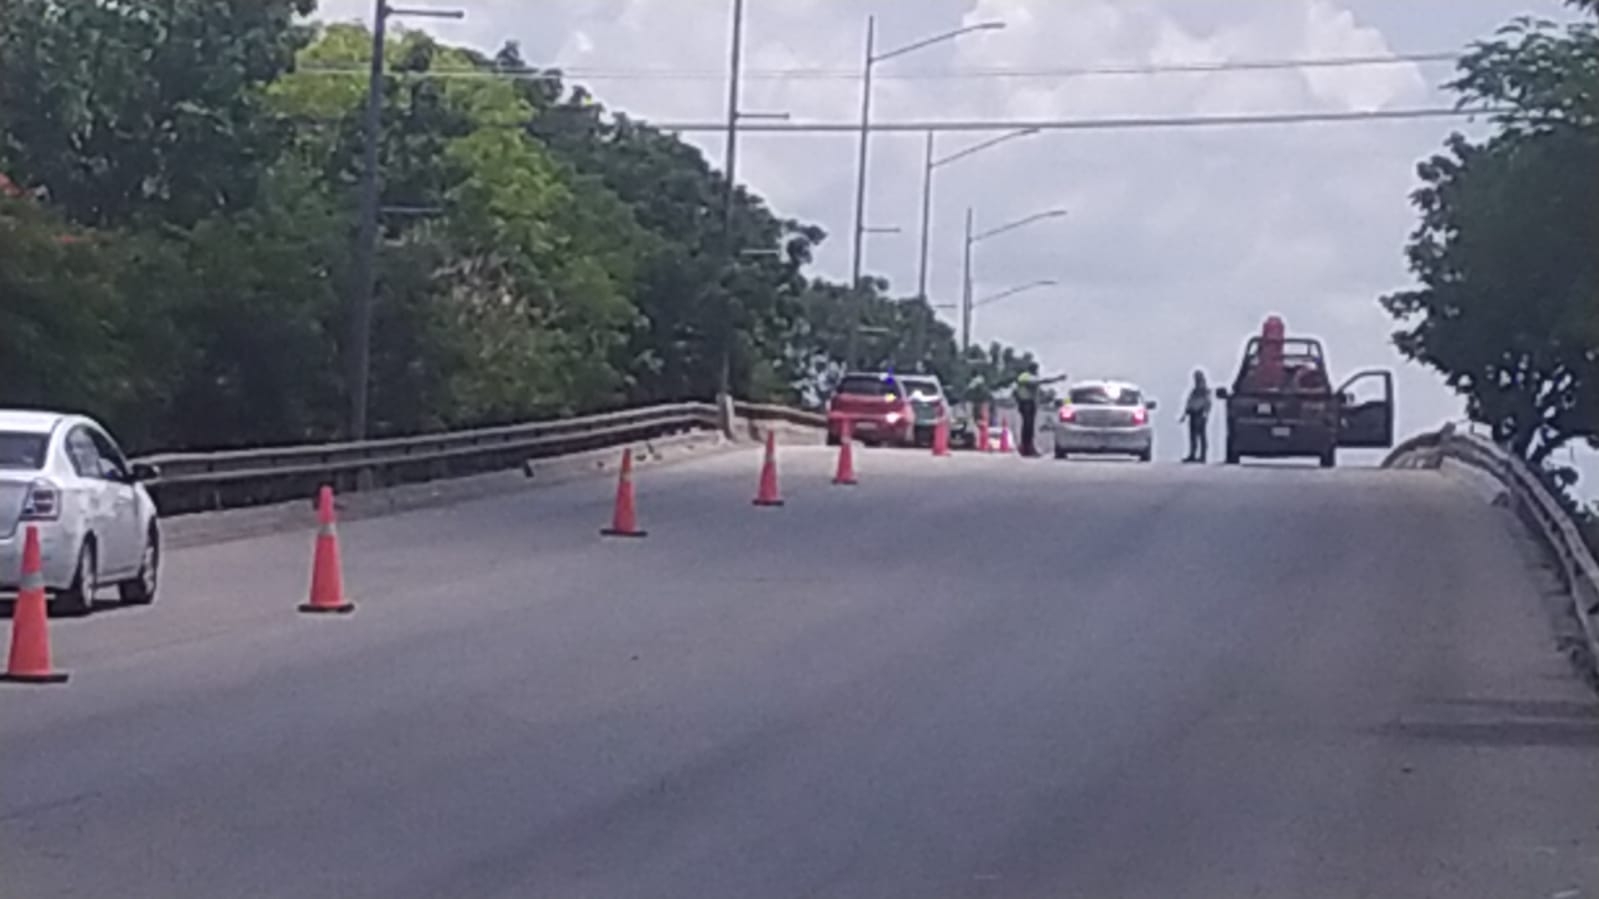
x=1282, y=404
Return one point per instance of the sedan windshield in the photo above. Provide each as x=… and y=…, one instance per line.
x=922, y=390
x=22, y=451
x=1100, y=395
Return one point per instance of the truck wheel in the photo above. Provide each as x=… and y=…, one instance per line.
x=1329, y=459
x=1232, y=455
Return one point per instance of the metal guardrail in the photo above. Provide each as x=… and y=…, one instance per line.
x=195, y=482
x=760, y=412
x=1538, y=507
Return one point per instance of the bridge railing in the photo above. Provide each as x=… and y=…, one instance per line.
x=208, y=481
x=1532, y=501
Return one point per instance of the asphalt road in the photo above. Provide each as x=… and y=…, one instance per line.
x=974, y=677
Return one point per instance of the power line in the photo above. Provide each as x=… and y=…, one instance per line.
x=1127, y=123
x=995, y=72
x=1120, y=123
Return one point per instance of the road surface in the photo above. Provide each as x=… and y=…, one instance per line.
x=974, y=677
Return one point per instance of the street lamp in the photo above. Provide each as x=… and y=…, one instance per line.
x=928, y=165
x=1004, y=294
x=927, y=190
x=872, y=58
x=966, y=273
x=367, y=231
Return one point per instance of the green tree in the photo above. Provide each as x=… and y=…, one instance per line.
x=58, y=342
x=143, y=108
x=1506, y=249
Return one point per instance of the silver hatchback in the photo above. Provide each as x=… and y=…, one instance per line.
x=1105, y=418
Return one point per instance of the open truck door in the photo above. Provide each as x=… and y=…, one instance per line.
x=1366, y=411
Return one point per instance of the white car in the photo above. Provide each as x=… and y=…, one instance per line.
x=1107, y=418
x=97, y=524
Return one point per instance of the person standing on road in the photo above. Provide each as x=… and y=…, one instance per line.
x=1026, y=394
x=1196, y=411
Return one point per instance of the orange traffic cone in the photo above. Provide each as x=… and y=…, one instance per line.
x=982, y=430
x=846, y=457
x=624, y=521
x=767, y=494
x=30, y=623
x=327, y=575
x=941, y=437
x=1004, y=440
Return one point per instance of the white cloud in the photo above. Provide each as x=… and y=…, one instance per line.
x=1178, y=242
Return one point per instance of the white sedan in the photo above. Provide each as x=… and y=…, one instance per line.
x=64, y=475
x=1105, y=417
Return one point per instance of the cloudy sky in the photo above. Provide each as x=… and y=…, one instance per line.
x=1177, y=242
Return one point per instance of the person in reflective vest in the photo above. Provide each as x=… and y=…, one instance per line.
x=1026, y=394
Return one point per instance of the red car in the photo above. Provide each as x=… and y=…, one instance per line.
x=877, y=408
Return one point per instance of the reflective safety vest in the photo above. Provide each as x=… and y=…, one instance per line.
x=1026, y=389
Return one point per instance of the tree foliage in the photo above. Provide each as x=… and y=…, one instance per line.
x=179, y=262
x=1507, y=251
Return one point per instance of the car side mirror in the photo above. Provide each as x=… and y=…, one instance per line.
x=143, y=471
x=1222, y=393
x=1151, y=405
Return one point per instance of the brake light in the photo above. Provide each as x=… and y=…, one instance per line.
x=1067, y=413
x=1140, y=416
x=43, y=502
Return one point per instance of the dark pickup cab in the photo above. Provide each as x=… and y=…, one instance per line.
x=1282, y=404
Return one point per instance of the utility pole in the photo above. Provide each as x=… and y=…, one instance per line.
x=858, y=234
x=730, y=172
x=966, y=286
x=367, y=231
x=872, y=58
x=919, y=338
x=966, y=296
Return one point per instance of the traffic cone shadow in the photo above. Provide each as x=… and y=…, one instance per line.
x=767, y=494
x=327, y=572
x=29, y=662
x=624, y=520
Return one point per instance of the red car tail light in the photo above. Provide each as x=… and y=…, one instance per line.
x=1140, y=416
x=1068, y=414
x=43, y=502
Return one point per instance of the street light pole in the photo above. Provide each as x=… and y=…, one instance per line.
x=918, y=336
x=367, y=233
x=930, y=163
x=360, y=374
x=730, y=173
x=966, y=287
x=1006, y=294
x=859, y=231
x=927, y=217
x=927, y=188
x=966, y=294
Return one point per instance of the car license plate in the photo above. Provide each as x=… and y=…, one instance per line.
x=1282, y=431
x=1263, y=409
x=865, y=425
